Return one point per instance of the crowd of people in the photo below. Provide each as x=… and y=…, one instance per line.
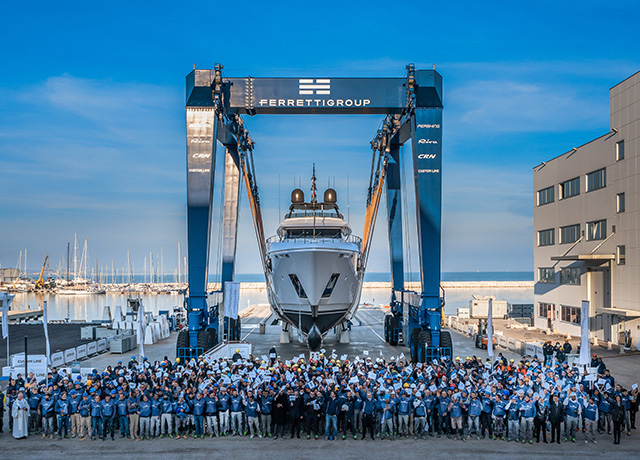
x=329, y=398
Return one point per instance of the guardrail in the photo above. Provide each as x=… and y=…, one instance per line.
x=507, y=343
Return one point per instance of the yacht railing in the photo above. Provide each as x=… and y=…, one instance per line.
x=310, y=239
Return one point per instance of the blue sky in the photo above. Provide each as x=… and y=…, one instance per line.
x=92, y=114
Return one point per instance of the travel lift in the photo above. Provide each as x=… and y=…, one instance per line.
x=413, y=109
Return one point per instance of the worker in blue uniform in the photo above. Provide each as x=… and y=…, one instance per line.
x=122, y=410
x=84, y=410
x=403, y=408
x=96, y=417
x=166, y=420
x=62, y=412
x=198, y=415
x=211, y=413
x=251, y=410
x=590, y=412
x=181, y=410
x=33, y=399
x=109, y=416
x=47, y=411
x=419, y=408
x=145, y=418
x=513, y=418
x=369, y=412
x=236, y=411
x=573, y=411
x=156, y=416
x=74, y=416
x=527, y=413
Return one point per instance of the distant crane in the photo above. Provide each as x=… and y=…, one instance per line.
x=40, y=282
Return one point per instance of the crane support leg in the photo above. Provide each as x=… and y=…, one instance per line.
x=426, y=137
x=394, y=218
x=230, y=220
x=229, y=228
x=202, y=129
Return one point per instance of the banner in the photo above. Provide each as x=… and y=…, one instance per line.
x=6, y=302
x=585, y=345
x=231, y=299
x=46, y=332
x=141, y=327
x=490, y=329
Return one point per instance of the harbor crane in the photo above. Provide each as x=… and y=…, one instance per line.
x=412, y=107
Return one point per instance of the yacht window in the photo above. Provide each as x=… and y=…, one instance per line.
x=297, y=285
x=318, y=232
x=330, y=285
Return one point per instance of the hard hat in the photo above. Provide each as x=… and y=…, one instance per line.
x=237, y=350
x=406, y=385
x=177, y=360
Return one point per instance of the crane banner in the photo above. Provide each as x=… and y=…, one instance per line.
x=490, y=329
x=585, y=345
x=231, y=299
x=46, y=333
x=6, y=302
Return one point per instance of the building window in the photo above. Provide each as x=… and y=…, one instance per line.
x=546, y=275
x=570, y=275
x=545, y=310
x=619, y=150
x=621, y=256
x=546, y=196
x=545, y=237
x=596, y=180
x=570, y=188
x=620, y=204
x=597, y=230
x=571, y=314
x=569, y=234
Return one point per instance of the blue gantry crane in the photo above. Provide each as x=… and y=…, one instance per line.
x=412, y=106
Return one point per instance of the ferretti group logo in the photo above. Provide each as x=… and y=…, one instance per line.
x=314, y=86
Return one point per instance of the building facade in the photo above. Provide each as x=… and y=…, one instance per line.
x=586, y=229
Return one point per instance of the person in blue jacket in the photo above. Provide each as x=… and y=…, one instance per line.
x=33, y=399
x=198, y=407
x=527, y=413
x=74, y=415
x=182, y=411
x=156, y=416
x=47, y=411
x=122, y=410
x=474, y=411
x=84, y=410
x=62, y=411
x=513, y=418
x=96, y=417
x=109, y=414
x=145, y=418
x=211, y=413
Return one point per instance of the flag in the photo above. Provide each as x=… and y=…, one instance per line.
x=490, y=329
x=141, y=327
x=6, y=301
x=231, y=299
x=46, y=332
x=585, y=345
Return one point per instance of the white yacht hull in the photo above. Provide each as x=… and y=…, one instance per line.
x=314, y=285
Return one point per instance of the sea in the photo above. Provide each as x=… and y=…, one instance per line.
x=95, y=307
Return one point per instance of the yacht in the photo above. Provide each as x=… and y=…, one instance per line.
x=314, y=267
